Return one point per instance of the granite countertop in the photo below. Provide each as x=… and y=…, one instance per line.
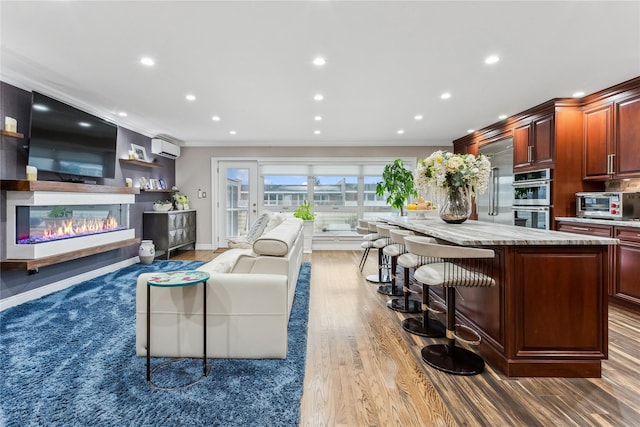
x=476, y=233
x=627, y=223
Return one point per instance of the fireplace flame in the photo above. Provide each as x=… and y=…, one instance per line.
x=78, y=227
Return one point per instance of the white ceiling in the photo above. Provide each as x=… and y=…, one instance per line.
x=251, y=64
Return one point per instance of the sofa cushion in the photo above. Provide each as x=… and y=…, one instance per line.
x=239, y=242
x=224, y=262
x=278, y=241
x=276, y=219
x=257, y=228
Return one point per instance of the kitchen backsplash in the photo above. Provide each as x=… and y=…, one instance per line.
x=623, y=185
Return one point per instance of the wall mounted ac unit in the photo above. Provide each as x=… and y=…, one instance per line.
x=165, y=148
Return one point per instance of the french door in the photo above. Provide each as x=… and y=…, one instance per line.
x=237, y=199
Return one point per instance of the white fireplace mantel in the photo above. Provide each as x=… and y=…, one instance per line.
x=43, y=193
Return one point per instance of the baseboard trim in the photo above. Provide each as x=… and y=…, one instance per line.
x=33, y=294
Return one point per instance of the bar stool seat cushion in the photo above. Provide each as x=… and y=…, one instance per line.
x=408, y=260
x=366, y=244
x=393, y=250
x=449, y=274
x=381, y=243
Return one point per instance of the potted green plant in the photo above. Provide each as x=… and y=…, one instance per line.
x=305, y=213
x=182, y=201
x=398, y=183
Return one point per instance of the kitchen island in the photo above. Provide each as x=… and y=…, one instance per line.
x=547, y=316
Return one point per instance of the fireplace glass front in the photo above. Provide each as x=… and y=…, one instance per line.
x=38, y=224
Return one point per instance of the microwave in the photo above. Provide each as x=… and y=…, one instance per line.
x=608, y=205
x=532, y=188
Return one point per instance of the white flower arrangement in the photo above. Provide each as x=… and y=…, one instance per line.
x=444, y=172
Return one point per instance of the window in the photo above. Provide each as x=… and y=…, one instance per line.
x=285, y=190
x=340, y=191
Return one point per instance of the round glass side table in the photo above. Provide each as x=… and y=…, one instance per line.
x=174, y=279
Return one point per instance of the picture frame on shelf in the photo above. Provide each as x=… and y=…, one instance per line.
x=153, y=184
x=162, y=184
x=140, y=152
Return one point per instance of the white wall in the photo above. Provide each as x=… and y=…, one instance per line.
x=193, y=170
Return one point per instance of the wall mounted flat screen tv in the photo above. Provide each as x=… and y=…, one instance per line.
x=70, y=142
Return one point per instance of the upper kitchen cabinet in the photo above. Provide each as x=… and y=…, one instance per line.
x=533, y=144
x=628, y=137
x=612, y=134
x=598, y=162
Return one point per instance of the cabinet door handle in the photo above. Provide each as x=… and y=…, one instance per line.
x=529, y=154
x=581, y=228
x=610, y=165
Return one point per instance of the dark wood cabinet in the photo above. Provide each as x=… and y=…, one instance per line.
x=624, y=282
x=612, y=138
x=627, y=147
x=542, y=148
x=626, y=288
x=533, y=143
x=598, y=161
x=521, y=147
x=170, y=230
x=583, y=228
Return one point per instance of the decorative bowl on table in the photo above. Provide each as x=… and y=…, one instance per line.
x=162, y=207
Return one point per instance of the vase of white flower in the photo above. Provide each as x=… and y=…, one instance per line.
x=453, y=180
x=455, y=208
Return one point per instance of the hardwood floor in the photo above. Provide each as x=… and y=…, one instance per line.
x=363, y=369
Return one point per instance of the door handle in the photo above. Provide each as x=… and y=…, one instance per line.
x=610, y=164
x=493, y=191
x=530, y=154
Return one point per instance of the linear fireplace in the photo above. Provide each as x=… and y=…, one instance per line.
x=46, y=223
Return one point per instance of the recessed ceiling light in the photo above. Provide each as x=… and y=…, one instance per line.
x=318, y=97
x=502, y=116
x=418, y=117
x=319, y=61
x=492, y=59
x=149, y=62
x=445, y=95
x=84, y=124
x=232, y=132
x=470, y=130
x=317, y=132
x=317, y=118
x=400, y=131
x=190, y=97
x=578, y=94
x=122, y=114
x=215, y=118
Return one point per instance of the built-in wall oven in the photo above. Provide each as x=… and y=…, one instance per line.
x=532, y=199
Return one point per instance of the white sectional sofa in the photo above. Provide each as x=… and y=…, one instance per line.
x=249, y=298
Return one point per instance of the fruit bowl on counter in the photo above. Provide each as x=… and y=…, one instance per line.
x=421, y=208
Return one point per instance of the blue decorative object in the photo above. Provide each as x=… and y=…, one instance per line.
x=69, y=359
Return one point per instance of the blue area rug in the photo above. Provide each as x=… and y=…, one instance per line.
x=68, y=359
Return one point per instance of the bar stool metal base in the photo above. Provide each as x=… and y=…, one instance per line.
x=390, y=290
x=452, y=359
x=398, y=304
x=373, y=278
x=206, y=370
x=416, y=326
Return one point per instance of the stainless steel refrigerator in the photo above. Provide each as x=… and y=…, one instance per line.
x=495, y=204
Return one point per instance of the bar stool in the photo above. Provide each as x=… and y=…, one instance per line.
x=460, y=267
x=424, y=326
x=407, y=261
x=383, y=275
x=367, y=244
x=390, y=253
